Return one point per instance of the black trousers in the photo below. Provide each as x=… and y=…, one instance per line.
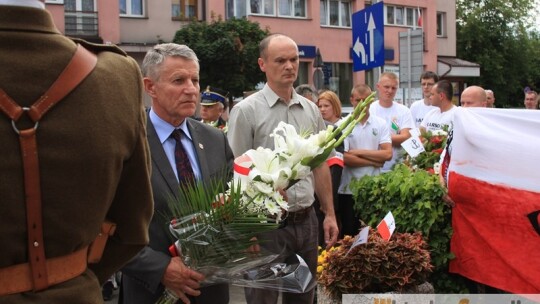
x=350, y=221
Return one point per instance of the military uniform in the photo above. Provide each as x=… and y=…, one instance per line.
x=92, y=150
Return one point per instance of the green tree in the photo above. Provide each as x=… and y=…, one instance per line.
x=227, y=51
x=499, y=35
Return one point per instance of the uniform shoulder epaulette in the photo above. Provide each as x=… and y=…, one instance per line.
x=96, y=48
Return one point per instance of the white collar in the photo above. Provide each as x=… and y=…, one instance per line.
x=29, y=3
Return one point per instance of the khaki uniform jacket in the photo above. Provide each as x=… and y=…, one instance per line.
x=92, y=149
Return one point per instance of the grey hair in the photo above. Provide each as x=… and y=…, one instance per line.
x=155, y=57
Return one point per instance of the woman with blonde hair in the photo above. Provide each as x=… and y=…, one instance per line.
x=330, y=107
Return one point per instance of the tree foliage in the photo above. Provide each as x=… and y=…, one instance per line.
x=500, y=36
x=227, y=51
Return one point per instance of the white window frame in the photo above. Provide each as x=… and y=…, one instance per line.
x=264, y=5
x=293, y=7
x=268, y=8
x=54, y=1
x=341, y=14
x=441, y=24
x=405, y=11
x=129, y=10
x=80, y=16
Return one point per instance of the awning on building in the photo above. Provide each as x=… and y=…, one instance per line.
x=456, y=67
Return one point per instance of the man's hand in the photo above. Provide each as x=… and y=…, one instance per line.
x=331, y=230
x=181, y=280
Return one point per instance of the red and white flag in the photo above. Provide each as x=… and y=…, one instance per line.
x=495, y=182
x=419, y=17
x=387, y=226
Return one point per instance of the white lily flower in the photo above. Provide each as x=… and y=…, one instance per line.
x=300, y=171
x=263, y=187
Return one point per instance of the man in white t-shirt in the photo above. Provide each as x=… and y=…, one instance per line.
x=365, y=151
x=442, y=117
x=421, y=107
x=397, y=116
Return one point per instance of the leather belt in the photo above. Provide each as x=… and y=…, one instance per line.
x=295, y=217
x=18, y=278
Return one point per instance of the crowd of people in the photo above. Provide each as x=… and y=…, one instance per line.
x=115, y=161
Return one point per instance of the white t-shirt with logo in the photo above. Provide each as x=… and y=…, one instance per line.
x=397, y=117
x=419, y=109
x=435, y=120
x=365, y=137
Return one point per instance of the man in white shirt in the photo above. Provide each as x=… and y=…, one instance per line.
x=397, y=116
x=440, y=118
x=366, y=149
x=421, y=107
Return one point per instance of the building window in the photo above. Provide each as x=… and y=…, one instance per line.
x=183, y=9
x=336, y=13
x=236, y=8
x=275, y=8
x=292, y=8
x=441, y=24
x=262, y=7
x=402, y=16
x=132, y=8
x=80, y=18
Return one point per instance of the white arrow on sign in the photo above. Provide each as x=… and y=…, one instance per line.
x=359, y=50
x=370, y=28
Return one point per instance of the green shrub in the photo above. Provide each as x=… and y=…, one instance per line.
x=415, y=199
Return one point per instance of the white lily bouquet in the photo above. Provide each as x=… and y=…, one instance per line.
x=218, y=223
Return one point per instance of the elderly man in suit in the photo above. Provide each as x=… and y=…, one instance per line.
x=172, y=80
x=94, y=162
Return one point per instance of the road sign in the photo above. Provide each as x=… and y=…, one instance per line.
x=368, y=38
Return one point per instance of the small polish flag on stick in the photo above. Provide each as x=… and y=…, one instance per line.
x=387, y=226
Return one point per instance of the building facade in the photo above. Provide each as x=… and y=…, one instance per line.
x=323, y=25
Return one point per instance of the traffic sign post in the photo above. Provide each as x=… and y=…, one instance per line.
x=368, y=37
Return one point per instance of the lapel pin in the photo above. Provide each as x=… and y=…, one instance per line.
x=201, y=146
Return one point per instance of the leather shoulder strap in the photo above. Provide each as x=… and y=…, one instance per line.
x=80, y=66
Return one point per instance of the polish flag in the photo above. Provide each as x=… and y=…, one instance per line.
x=494, y=181
x=387, y=226
x=419, y=17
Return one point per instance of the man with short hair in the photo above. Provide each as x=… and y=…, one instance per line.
x=184, y=150
x=213, y=104
x=531, y=100
x=251, y=122
x=473, y=96
x=308, y=92
x=490, y=98
x=359, y=93
x=421, y=107
x=365, y=151
x=441, y=118
x=397, y=116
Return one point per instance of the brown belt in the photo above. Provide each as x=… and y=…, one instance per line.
x=18, y=278
x=298, y=216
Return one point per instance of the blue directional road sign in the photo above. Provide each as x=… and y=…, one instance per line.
x=368, y=37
